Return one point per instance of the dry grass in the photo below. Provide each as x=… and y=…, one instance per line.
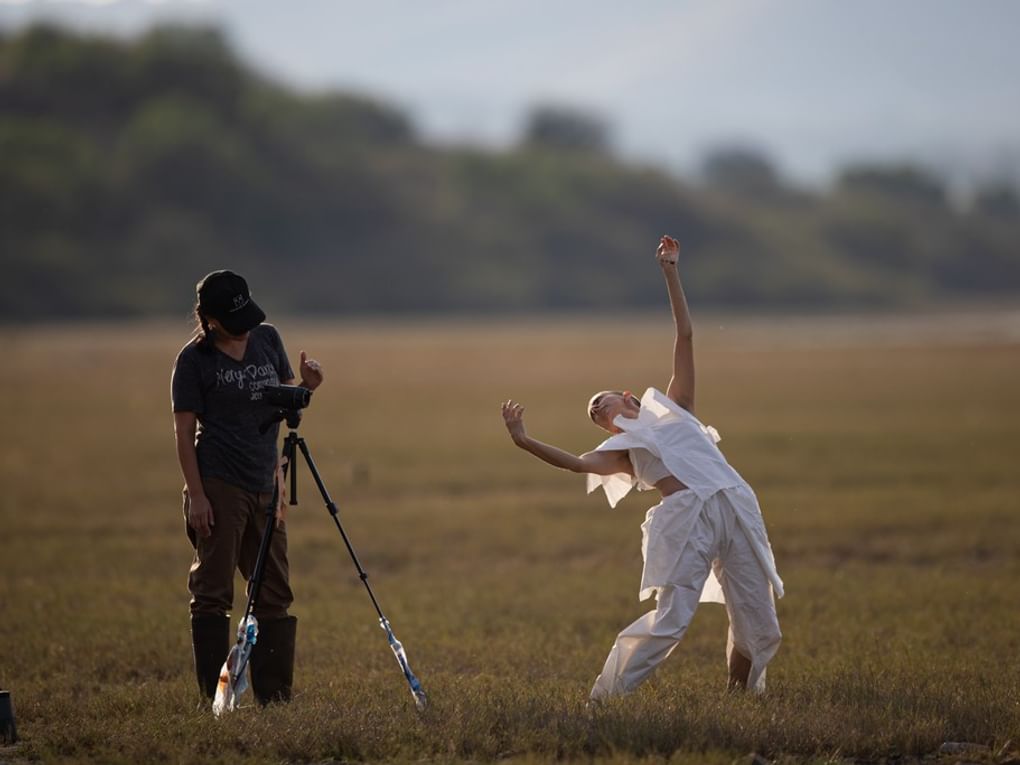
x=885, y=455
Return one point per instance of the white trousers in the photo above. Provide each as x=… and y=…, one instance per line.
x=716, y=542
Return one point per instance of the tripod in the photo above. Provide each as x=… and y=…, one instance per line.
x=292, y=444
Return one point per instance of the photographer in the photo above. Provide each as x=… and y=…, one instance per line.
x=230, y=469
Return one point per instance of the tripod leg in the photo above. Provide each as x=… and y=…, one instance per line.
x=420, y=698
x=290, y=453
x=255, y=583
x=335, y=514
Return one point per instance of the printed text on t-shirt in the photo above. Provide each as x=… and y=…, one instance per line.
x=253, y=377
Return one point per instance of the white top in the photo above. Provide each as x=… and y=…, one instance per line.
x=648, y=469
x=678, y=439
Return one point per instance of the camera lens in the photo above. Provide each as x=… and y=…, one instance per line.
x=287, y=396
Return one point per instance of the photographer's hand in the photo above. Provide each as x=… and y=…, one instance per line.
x=311, y=372
x=200, y=514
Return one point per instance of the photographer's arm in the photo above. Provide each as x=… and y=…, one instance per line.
x=601, y=463
x=200, y=515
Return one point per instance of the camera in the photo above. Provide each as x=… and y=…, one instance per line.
x=287, y=396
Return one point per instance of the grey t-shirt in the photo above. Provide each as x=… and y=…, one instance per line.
x=226, y=395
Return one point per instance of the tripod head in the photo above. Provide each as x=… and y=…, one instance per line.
x=292, y=416
x=290, y=400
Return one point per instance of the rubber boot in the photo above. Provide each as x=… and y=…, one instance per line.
x=210, y=637
x=272, y=660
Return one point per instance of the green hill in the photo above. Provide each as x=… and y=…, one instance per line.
x=128, y=169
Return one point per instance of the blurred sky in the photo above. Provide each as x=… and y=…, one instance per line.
x=812, y=82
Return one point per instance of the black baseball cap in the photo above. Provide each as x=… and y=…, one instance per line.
x=225, y=296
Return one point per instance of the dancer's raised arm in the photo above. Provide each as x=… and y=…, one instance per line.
x=681, y=384
x=606, y=462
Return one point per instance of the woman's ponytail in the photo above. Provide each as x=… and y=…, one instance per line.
x=203, y=333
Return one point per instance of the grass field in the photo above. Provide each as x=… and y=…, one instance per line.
x=885, y=454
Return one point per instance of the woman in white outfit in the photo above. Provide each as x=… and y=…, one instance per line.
x=705, y=541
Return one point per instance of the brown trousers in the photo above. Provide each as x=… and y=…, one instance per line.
x=239, y=517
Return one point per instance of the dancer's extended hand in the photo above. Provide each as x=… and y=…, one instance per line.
x=668, y=251
x=513, y=418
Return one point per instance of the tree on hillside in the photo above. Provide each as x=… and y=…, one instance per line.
x=997, y=200
x=558, y=127
x=740, y=170
x=904, y=183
